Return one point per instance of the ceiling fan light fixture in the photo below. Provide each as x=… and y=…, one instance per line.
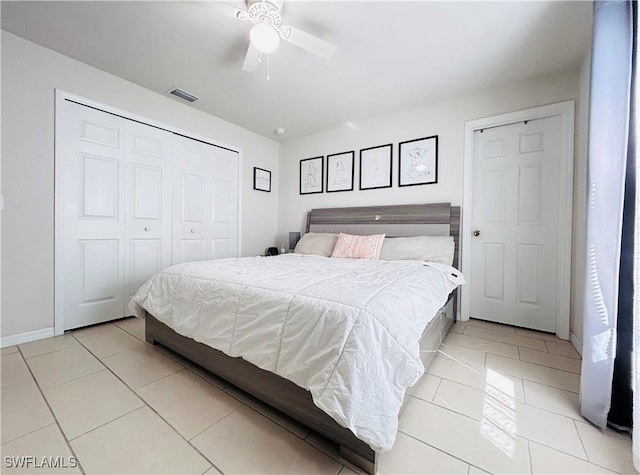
x=264, y=38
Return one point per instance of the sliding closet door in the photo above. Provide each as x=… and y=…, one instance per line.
x=205, y=206
x=147, y=247
x=91, y=162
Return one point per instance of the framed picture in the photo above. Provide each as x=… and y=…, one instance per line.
x=418, y=163
x=311, y=172
x=340, y=172
x=375, y=167
x=261, y=179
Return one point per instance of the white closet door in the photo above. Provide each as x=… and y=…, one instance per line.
x=205, y=206
x=123, y=188
x=91, y=181
x=516, y=189
x=147, y=247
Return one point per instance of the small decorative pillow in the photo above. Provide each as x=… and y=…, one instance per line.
x=319, y=244
x=358, y=247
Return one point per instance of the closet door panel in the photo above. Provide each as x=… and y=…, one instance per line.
x=147, y=192
x=91, y=161
x=221, y=248
x=148, y=217
x=225, y=202
x=99, y=270
x=205, y=201
x=193, y=198
x=145, y=260
x=192, y=250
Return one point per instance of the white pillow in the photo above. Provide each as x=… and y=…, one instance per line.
x=319, y=244
x=425, y=248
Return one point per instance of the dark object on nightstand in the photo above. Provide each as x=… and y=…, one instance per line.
x=272, y=251
x=293, y=240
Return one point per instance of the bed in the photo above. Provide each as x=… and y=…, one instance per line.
x=308, y=370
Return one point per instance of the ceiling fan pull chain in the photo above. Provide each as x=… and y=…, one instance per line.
x=268, y=67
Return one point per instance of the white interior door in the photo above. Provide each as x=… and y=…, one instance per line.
x=147, y=245
x=205, y=207
x=92, y=161
x=515, y=216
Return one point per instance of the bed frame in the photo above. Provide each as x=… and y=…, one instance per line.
x=282, y=394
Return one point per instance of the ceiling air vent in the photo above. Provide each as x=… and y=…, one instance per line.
x=183, y=94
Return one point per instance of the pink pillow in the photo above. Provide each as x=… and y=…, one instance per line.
x=358, y=247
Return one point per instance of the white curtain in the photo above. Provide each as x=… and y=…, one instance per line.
x=610, y=93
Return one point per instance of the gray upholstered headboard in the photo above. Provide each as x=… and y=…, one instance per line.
x=436, y=219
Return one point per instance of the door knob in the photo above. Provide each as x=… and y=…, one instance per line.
x=146, y=228
x=476, y=233
x=193, y=231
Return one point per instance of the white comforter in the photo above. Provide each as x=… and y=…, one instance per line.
x=346, y=330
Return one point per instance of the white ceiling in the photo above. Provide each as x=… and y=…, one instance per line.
x=390, y=55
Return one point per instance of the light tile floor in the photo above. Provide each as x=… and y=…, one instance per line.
x=497, y=399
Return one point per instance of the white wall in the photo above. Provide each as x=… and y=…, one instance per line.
x=30, y=73
x=445, y=119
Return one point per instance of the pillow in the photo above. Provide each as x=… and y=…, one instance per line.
x=320, y=244
x=358, y=247
x=425, y=248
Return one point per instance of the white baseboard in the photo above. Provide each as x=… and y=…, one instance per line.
x=21, y=338
x=576, y=343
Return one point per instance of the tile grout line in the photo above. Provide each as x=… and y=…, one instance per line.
x=439, y=449
x=124, y=329
x=105, y=423
x=508, y=344
x=65, y=349
x=226, y=390
x=219, y=420
x=48, y=352
x=575, y=422
x=584, y=447
x=66, y=441
x=519, y=377
x=325, y=454
x=530, y=456
x=155, y=381
x=545, y=367
x=145, y=404
x=138, y=341
x=30, y=432
x=523, y=389
x=435, y=393
x=529, y=440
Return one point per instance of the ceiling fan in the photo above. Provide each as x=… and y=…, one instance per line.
x=267, y=30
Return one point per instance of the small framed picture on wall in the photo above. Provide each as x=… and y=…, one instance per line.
x=261, y=179
x=418, y=162
x=375, y=167
x=311, y=171
x=340, y=172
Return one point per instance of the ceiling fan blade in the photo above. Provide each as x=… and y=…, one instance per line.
x=311, y=43
x=228, y=10
x=251, y=63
